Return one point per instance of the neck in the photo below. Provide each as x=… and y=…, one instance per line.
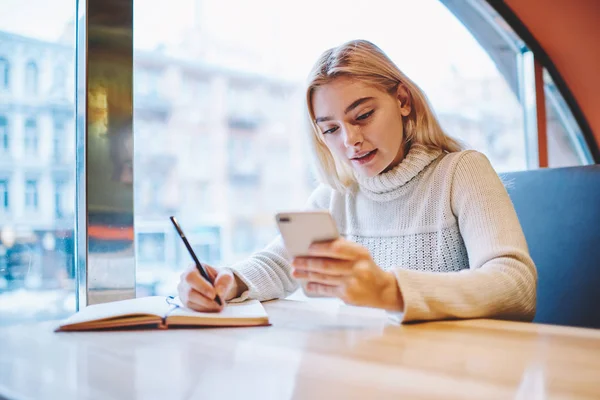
x=386, y=185
x=404, y=147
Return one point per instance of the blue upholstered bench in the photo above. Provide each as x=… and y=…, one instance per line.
x=559, y=210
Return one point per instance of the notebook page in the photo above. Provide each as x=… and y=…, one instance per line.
x=247, y=309
x=153, y=305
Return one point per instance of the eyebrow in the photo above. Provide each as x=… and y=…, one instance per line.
x=351, y=107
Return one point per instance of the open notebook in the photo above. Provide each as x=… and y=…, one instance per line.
x=161, y=312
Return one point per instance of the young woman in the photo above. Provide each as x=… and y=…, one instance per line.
x=428, y=230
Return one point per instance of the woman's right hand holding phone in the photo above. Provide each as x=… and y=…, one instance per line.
x=198, y=294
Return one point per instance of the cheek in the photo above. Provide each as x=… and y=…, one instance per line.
x=334, y=144
x=384, y=132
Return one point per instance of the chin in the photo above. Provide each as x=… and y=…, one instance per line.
x=368, y=172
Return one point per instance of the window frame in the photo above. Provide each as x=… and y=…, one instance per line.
x=510, y=45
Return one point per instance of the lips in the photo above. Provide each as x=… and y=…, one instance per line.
x=362, y=154
x=363, y=157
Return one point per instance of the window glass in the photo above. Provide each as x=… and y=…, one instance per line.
x=31, y=77
x=4, y=73
x=246, y=145
x=31, y=137
x=566, y=144
x=4, y=134
x=37, y=194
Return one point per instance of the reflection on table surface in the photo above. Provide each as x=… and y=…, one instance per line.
x=314, y=349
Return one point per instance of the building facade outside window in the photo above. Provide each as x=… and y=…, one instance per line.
x=4, y=135
x=31, y=137
x=31, y=78
x=4, y=73
x=4, y=195
x=31, y=195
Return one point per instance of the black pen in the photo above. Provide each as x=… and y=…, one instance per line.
x=191, y=251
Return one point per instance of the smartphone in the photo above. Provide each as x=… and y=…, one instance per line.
x=301, y=228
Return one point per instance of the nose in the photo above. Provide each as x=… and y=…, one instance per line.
x=352, y=136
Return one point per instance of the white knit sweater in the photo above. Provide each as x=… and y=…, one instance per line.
x=443, y=222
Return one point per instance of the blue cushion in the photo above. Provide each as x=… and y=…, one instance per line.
x=559, y=210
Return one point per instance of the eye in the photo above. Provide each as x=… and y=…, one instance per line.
x=330, y=130
x=365, y=115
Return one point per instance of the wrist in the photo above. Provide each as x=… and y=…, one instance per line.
x=239, y=287
x=392, y=297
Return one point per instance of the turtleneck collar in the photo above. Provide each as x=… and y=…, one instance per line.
x=384, y=187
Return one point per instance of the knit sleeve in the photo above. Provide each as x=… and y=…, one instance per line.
x=501, y=281
x=268, y=272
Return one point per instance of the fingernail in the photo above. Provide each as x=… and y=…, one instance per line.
x=299, y=262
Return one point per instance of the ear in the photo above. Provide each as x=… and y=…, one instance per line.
x=404, y=99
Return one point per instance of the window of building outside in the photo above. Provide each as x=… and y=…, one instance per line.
x=4, y=195
x=31, y=195
x=4, y=73
x=4, y=134
x=31, y=77
x=31, y=136
x=58, y=138
x=255, y=70
x=36, y=249
x=59, y=198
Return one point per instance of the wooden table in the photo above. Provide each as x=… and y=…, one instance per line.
x=313, y=350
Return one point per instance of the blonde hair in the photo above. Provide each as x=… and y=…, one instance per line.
x=362, y=60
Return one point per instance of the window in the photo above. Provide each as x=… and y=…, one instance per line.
x=259, y=160
x=59, y=198
x=243, y=156
x=244, y=237
x=258, y=126
x=147, y=82
x=58, y=141
x=31, y=137
x=31, y=195
x=206, y=241
x=241, y=102
x=38, y=264
x=31, y=78
x=151, y=247
x=514, y=61
x=4, y=73
x=4, y=194
x=4, y=134
x=60, y=80
x=566, y=144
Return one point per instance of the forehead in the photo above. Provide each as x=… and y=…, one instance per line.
x=335, y=96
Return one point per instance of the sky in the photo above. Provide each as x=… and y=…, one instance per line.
x=284, y=38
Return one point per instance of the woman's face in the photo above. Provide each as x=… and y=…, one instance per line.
x=361, y=124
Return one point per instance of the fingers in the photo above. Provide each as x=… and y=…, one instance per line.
x=323, y=265
x=224, y=283
x=319, y=289
x=195, y=300
x=198, y=302
x=198, y=283
x=212, y=272
x=341, y=249
x=316, y=277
